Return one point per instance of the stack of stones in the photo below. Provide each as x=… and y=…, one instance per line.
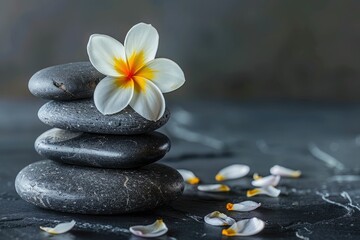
x=98, y=164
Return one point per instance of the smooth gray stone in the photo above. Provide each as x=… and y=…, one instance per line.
x=75, y=189
x=82, y=116
x=65, y=82
x=107, y=151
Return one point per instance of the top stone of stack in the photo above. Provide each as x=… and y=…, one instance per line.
x=65, y=82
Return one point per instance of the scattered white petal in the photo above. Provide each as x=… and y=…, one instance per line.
x=271, y=180
x=149, y=104
x=284, y=172
x=102, y=51
x=246, y=227
x=142, y=38
x=256, y=176
x=168, y=76
x=214, y=188
x=244, y=206
x=232, y=172
x=188, y=176
x=158, y=228
x=218, y=219
x=269, y=190
x=60, y=228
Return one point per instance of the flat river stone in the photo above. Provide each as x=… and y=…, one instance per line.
x=65, y=82
x=83, y=116
x=88, y=190
x=108, y=151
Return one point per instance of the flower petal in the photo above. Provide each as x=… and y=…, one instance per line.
x=256, y=176
x=103, y=51
x=246, y=227
x=60, y=228
x=113, y=94
x=232, y=172
x=244, y=206
x=218, y=219
x=269, y=190
x=142, y=38
x=156, y=229
x=166, y=74
x=188, y=176
x=214, y=188
x=148, y=101
x=285, y=172
x=272, y=180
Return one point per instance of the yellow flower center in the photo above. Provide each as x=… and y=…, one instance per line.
x=135, y=70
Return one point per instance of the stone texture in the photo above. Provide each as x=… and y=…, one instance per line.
x=108, y=151
x=65, y=82
x=82, y=116
x=70, y=188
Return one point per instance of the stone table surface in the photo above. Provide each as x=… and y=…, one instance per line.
x=321, y=139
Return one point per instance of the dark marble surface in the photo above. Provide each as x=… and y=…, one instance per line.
x=82, y=116
x=65, y=82
x=108, y=151
x=322, y=140
x=89, y=190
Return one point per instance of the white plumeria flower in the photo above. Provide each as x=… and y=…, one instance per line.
x=158, y=228
x=285, y=172
x=272, y=180
x=188, y=176
x=214, y=188
x=217, y=218
x=246, y=227
x=268, y=190
x=60, y=228
x=232, y=172
x=244, y=206
x=134, y=76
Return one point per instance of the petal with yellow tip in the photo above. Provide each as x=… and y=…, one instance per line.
x=272, y=180
x=256, y=176
x=188, y=176
x=244, y=206
x=214, y=188
x=246, y=227
x=285, y=172
x=158, y=228
x=232, y=172
x=269, y=191
x=217, y=218
x=60, y=228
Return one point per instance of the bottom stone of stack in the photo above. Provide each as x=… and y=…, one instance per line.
x=76, y=189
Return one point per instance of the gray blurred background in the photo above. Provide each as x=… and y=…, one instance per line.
x=228, y=49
